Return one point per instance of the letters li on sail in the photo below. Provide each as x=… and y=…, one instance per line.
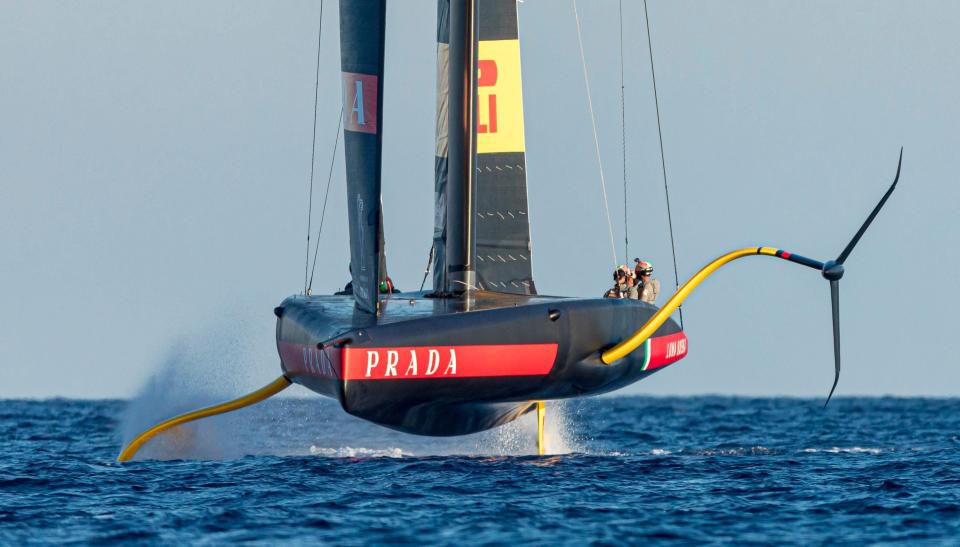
x=362, y=25
x=503, y=258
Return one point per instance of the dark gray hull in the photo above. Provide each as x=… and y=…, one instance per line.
x=489, y=364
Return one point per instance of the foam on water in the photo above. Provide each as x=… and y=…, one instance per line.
x=850, y=450
x=351, y=452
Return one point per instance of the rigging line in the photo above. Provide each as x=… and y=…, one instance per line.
x=663, y=161
x=623, y=144
x=426, y=270
x=326, y=195
x=596, y=139
x=313, y=152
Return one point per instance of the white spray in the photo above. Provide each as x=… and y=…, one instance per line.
x=201, y=369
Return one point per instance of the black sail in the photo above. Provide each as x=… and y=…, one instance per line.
x=438, y=264
x=503, y=251
x=362, y=25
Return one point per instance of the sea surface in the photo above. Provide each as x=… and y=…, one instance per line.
x=623, y=469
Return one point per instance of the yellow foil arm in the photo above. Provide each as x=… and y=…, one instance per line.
x=624, y=348
x=541, y=432
x=265, y=392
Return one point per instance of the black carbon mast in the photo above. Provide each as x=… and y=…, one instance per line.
x=362, y=31
x=461, y=208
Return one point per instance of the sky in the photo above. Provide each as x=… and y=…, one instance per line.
x=155, y=164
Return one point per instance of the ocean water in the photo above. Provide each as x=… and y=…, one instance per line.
x=622, y=469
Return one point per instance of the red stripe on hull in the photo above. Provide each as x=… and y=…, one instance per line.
x=668, y=349
x=420, y=362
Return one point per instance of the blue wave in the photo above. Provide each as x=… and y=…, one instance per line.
x=624, y=469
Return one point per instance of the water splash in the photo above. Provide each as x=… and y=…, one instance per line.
x=199, y=369
x=519, y=438
x=232, y=357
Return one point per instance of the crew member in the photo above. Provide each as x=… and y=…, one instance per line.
x=621, y=283
x=632, y=291
x=618, y=282
x=650, y=287
x=614, y=292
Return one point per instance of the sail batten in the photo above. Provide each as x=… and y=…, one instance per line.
x=362, y=32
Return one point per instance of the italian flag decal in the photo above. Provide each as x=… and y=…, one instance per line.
x=646, y=355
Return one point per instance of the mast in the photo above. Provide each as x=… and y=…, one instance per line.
x=461, y=206
x=362, y=32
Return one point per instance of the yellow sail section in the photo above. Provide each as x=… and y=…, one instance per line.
x=499, y=97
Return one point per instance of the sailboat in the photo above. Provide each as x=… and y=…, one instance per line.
x=482, y=348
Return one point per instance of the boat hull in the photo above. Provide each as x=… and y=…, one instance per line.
x=448, y=367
